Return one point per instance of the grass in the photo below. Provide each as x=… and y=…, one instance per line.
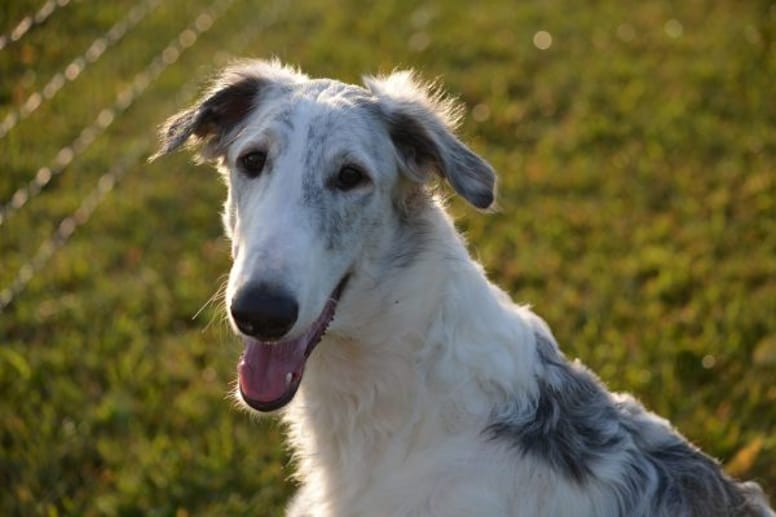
x=638, y=216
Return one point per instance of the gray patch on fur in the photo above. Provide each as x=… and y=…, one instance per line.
x=573, y=424
x=576, y=426
x=285, y=119
x=412, y=235
x=314, y=144
x=312, y=183
x=686, y=481
x=335, y=220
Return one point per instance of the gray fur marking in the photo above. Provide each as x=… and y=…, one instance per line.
x=576, y=426
x=573, y=424
x=412, y=238
x=335, y=220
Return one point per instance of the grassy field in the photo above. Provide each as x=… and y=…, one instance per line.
x=636, y=145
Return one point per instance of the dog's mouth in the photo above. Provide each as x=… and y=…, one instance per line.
x=269, y=372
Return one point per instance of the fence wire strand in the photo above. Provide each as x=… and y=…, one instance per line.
x=67, y=227
x=108, y=181
x=74, y=69
x=30, y=21
x=107, y=116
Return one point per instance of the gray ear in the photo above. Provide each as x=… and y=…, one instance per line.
x=234, y=94
x=420, y=124
x=210, y=120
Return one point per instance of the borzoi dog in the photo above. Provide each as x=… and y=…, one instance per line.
x=410, y=385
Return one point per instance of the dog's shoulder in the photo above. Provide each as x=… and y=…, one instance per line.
x=591, y=437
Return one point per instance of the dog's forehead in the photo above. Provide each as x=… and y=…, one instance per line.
x=315, y=126
x=324, y=110
x=316, y=121
x=331, y=109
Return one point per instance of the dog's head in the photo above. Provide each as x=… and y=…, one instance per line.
x=321, y=175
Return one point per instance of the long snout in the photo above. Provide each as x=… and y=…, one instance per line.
x=282, y=274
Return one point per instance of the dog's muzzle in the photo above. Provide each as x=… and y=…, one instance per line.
x=269, y=372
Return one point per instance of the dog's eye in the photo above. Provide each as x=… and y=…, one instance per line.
x=252, y=163
x=349, y=177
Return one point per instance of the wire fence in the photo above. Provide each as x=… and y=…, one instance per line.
x=67, y=227
x=107, y=182
x=30, y=21
x=107, y=116
x=74, y=69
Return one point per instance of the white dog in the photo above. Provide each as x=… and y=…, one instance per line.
x=430, y=393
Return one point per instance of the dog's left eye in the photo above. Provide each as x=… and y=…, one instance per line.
x=252, y=163
x=349, y=177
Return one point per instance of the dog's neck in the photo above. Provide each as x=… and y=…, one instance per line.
x=365, y=385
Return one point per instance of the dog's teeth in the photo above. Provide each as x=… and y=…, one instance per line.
x=289, y=376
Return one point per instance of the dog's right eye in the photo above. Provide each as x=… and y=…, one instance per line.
x=252, y=163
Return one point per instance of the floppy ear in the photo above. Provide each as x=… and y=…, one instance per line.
x=233, y=95
x=421, y=122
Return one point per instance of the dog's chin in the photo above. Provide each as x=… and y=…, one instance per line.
x=269, y=372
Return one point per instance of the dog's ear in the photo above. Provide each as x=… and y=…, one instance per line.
x=421, y=123
x=236, y=92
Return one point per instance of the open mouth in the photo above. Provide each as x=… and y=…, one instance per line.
x=269, y=372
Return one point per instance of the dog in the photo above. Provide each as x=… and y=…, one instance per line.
x=409, y=384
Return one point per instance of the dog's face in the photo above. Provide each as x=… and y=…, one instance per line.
x=320, y=175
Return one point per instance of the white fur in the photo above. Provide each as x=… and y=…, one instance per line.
x=389, y=418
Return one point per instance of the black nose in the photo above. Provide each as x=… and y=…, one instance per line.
x=263, y=312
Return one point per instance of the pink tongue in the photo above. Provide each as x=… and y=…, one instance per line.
x=264, y=368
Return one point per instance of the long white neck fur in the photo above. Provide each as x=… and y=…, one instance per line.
x=394, y=334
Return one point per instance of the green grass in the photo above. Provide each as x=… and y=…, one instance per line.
x=637, y=157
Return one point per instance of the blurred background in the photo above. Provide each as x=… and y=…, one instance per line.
x=636, y=146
